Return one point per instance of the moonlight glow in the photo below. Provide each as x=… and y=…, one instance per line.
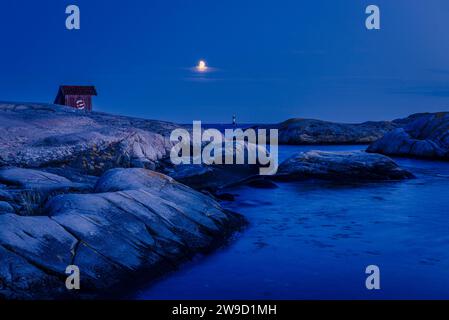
x=202, y=66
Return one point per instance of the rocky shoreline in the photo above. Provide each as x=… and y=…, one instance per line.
x=96, y=191
x=79, y=189
x=134, y=222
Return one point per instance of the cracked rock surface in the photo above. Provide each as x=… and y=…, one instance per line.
x=135, y=220
x=79, y=189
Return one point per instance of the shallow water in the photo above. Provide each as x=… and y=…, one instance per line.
x=313, y=240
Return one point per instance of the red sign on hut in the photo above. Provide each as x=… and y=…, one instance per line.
x=78, y=97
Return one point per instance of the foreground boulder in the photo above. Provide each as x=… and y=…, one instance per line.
x=138, y=225
x=340, y=165
x=425, y=136
x=213, y=177
x=309, y=131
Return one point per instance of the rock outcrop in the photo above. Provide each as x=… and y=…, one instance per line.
x=34, y=179
x=314, y=132
x=27, y=190
x=136, y=222
x=37, y=135
x=5, y=207
x=211, y=177
x=424, y=135
x=75, y=189
x=340, y=166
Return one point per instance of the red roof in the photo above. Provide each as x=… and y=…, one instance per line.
x=78, y=90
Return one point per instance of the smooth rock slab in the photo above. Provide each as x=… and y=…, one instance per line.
x=340, y=165
x=138, y=226
x=20, y=279
x=36, y=179
x=40, y=240
x=192, y=204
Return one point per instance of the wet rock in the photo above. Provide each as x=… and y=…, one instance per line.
x=340, y=165
x=191, y=174
x=225, y=196
x=213, y=177
x=423, y=136
x=261, y=183
x=258, y=182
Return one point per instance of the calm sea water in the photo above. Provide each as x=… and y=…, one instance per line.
x=313, y=240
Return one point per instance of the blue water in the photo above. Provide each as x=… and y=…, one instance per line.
x=313, y=240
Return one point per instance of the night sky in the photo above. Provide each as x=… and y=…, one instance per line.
x=271, y=60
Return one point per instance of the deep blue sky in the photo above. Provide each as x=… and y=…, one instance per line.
x=273, y=60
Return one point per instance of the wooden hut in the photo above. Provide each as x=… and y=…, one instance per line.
x=78, y=97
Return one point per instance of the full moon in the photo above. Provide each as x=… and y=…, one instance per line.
x=202, y=66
